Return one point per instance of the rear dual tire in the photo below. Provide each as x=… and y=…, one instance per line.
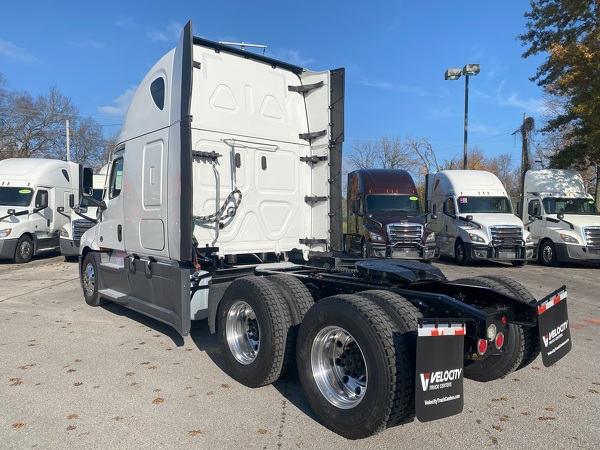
x=356, y=362
x=522, y=346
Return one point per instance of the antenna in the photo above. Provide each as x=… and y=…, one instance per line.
x=243, y=45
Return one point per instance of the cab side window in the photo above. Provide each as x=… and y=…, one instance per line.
x=534, y=208
x=41, y=199
x=116, y=179
x=449, y=207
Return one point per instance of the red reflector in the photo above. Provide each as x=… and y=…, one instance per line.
x=481, y=346
x=503, y=319
x=499, y=342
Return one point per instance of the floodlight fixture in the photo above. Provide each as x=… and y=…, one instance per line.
x=471, y=69
x=453, y=74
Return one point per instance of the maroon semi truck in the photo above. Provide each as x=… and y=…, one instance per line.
x=384, y=217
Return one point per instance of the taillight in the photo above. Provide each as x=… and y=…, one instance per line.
x=482, y=346
x=499, y=341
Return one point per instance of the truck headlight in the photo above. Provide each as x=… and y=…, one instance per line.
x=64, y=233
x=476, y=238
x=528, y=239
x=430, y=238
x=375, y=237
x=5, y=232
x=569, y=239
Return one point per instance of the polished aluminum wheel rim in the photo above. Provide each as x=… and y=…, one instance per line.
x=89, y=280
x=547, y=253
x=25, y=250
x=338, y=367
x=243, y=332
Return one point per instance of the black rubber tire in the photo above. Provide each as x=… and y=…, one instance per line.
x=296, y=295
x=460, y=254
x=371, y=343
x=363, y=249
x=24, y=251
x=272, y=327
x=299, y=301
x=547, y=254
x=404, y=316
x=497, y=366
x=89, y=273
x=532, y=339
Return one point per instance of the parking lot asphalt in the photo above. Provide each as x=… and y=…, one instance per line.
x=81, y=377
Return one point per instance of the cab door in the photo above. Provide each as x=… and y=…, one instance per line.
x=535, y=227
x=40, y=219
x=110, y=228
x=448, y=231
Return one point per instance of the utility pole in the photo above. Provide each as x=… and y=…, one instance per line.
x=525, y=129
x=68, y=144
x=597, y=193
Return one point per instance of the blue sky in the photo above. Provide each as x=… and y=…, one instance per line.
x=395, y=54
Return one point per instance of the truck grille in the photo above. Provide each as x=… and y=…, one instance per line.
x=79, y=227
x=507, y=235
x=405, y=234
x=592, y=236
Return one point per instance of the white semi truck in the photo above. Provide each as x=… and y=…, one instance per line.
x=473, y=219
x=82, y=216
x=561, y=216
x=34, y=205
x=226, y=180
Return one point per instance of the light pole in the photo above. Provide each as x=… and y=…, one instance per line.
x=454, y=74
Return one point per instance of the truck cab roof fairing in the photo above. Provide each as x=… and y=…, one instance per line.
x=248, y=55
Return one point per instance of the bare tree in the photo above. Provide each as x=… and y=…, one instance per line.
x=110, y=142
x=426, y=160
x=35, y=127
x=413, y=155
x=386, y=153
x=87, y=143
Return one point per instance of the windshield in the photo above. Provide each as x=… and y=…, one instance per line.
x=484, y=205
x=15, y=196
x=97, y=195
x=569, y=205
x=392, y=203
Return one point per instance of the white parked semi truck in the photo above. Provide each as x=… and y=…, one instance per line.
x=473, y=219
x=82, y=216
x=34, y=205
x=226, y=180
x=561, y=216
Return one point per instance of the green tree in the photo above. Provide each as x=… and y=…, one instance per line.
x=568, y=32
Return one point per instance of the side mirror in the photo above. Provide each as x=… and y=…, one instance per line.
x=11, y=211
x=71, y=202
x=469, y=218
x=87, y=182
x=434, y=216
x=532, y=218
x=61, y=209
x=80, y=209
x=560, y=216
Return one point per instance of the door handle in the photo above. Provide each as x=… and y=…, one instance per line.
x=120, y=232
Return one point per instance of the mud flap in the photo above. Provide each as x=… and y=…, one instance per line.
x=553, y=324
x=439, y=370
